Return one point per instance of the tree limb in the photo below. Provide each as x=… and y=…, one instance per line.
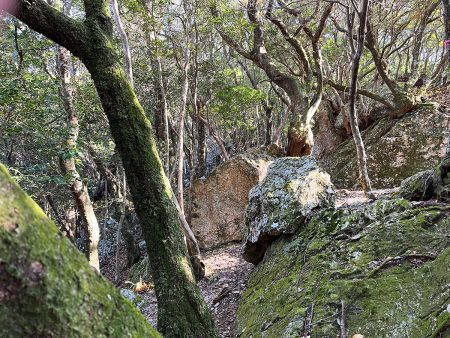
x=44, y=19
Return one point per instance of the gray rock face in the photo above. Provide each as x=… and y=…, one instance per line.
x=396, y=149
x=279, y=205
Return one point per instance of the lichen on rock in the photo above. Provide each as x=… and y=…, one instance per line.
x=292, y=189
x=380, y=270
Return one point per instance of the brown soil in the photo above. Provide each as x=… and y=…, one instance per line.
x=226, y=279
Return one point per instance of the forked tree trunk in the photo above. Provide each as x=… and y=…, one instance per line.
x=182, y=311
x=360, y=150
x=47, y=288
x=68, y=166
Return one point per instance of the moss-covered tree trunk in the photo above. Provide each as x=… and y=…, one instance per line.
x=182, y=311
x=47, y=288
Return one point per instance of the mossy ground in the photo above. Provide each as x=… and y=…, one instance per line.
x=47, y=288
x=337, y=270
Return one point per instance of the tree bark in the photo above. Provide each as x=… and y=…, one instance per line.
x=182, y=310
x=68, y=166
x=47, y=288
x=360, y=150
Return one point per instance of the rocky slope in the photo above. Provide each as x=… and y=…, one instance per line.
x=396, y=150
x=376, y=269
x=380, y=270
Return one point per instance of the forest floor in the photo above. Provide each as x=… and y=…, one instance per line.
x=227, y=274
x=225, y=281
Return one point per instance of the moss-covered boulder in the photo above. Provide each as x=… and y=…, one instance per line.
x=292, y=189
x=379, y=270
x=47, y=288
x=420, y=187
x=396, y=149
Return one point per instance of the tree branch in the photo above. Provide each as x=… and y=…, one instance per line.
x=363, y=92
x=45, y=19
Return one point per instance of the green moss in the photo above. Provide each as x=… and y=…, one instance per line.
x=331, y=261
x=47, y=286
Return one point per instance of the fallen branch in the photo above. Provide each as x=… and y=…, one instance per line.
x=398, y=259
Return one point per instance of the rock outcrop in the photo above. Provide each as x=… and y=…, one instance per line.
x=292, y=189
x=219, y=200
x=377, y=270
x=396, y=149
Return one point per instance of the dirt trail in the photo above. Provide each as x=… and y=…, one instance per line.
x=226, y=279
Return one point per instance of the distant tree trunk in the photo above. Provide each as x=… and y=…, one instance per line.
x=446, y=11
x=418, y=39
x=124, y=39
x=47, y=288
x=360, y=151
x=182, y=311
x=269, y=124
x=201, y=148
x=162, y=113
x=183, y=106
x=68, y=165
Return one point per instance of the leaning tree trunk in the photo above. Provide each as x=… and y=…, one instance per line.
x=47, y=288
x=73, y=178
x=182, y=311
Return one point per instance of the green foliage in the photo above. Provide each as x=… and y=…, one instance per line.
x=233, y=104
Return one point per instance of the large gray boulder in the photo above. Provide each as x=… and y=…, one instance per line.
x=279, y=205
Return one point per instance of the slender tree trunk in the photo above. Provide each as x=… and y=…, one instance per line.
x=418, y=39
x=162, y=123
x=269, y=124
x=360, y=150
x=446, y=11
x=283, y=122
x=68, y=166
x=201, y=146
x=124, y=39
x=54, y=293
x=182, y=311
x=183, y=107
